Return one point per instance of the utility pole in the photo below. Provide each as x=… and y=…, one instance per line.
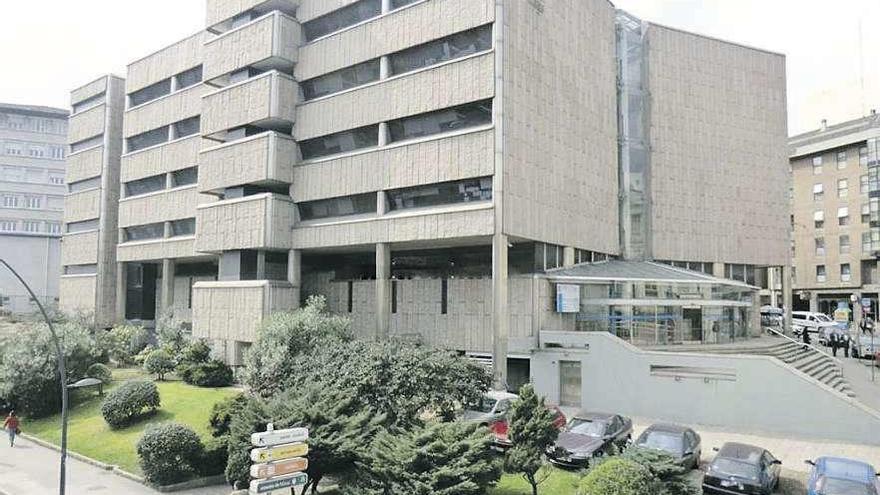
x=61, y=373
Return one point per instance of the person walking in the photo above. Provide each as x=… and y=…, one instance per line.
x=806, y=336
x=12, y=427
x=834, y=343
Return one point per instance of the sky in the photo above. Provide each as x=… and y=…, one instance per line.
x=57, y=45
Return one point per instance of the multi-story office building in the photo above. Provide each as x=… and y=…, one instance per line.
x=32, y=152
x=468, y=173
x=836, y=214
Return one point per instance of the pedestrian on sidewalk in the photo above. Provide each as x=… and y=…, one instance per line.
x=834, y=343
x=12, y=427
x=806, y=336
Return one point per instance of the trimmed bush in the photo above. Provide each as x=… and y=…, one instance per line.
x=222, y=412
x=100, y=372
x=211, y=374
x=169, y=453
x=195, y=353
x=214, y=456
x=159, y=363
x=617, y=477
x=130, y=401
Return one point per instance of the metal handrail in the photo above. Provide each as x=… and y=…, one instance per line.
x=800, y=343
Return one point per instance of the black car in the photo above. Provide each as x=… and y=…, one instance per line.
x=680, y=442
x=588, y=435
x=739, y=468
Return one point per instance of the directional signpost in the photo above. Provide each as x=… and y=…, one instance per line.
x=278, y=461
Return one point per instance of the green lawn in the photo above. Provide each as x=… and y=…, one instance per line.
x=560, y=483
x=89, y=435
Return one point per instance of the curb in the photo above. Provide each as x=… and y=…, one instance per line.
x=74, y=455
x=191, y=484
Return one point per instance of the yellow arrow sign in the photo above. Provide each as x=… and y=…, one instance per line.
x=279, y=452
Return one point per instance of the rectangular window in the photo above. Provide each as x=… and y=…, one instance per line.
x=56, y=152
x=844, y=244
x=361, y=204
x=10, y=201
x=845, y=272
x=13, y=149
x=183, y=227
x=817, y=165
x=441, y=121
x=866, y=213
x=84, y=185
x=444, y=296
x=30, y=226
x=818, y=192
x=33, y=202
x=145, y=232
x=394, y=297
x=341, y=142
x=350, y=301
x=36, y=151
x=864, y=184
x=464, y=191
x=396, y=4
x=334, y=82
x=866, y=243
x=147, y=139
x=863, y=156
x=821, y=276
x=53, y=227
x=189, y=78
x=842, y=188
x=819, y=219
x=342, y=18
x=149, y=93
x=185, y=177
x=188, y=127
x=80, y=270
x=84, y=226
x=56, y=179
x=89, y=103
x=843, y=216
x=439, y=51
x=145, y=186
x=841, y=160
x=820, y=246
x=7, y=226
x=87, y=143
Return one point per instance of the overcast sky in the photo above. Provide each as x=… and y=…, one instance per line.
x=56, y=45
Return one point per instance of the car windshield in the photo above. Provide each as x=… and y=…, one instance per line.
x=823, y=318
x=732, y=467
x=662, y=440
x=485, y=405
x=836, y=486
x=587, y=427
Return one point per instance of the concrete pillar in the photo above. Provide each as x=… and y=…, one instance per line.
x=383, y=290
x=567, y=256
x=121, y=286
x=718, y=270
x=386, y=6
x=384, y=67
x=771, y=285
x=294, y=273
x=500, y=317
x=787, y=296
x=814, y=302
x=381, y=203
x=168, y=269
x=261, y=265
x=229, y=268
x=857, y=318
x=384, y=138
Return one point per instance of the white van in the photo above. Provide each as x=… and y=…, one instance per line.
x=815, y=323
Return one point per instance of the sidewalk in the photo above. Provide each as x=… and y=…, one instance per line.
x=29, y=469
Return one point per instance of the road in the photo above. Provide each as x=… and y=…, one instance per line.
x=30, y=469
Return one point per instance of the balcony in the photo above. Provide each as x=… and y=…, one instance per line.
x=268, y=100
x=270, y=42
x=262, y=221
x=220, y=12
x=233, y=310
x=265, y=159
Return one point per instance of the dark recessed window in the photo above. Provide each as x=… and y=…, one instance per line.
x=147, y=139
x=440, y=121
x=444, y=296
x=334, y=82
x=187, y=127
x=342, y=18
x=183, y=227
x=464, y=191
x=394, y=297
x=438, y=51
x=350, y=296
x=80, y=270
x=87, y=143
x=396, y=4
x=184, y=177
x=149, y=93
x=189, y=78
x=145, y=232
x=84, y=226
x=341, y=142
x=84, y=185
x=360, y=204
x=145, y=186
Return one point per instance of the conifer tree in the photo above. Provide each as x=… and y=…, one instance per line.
x=531, y=430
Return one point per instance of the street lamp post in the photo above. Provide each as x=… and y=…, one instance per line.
x=61, y=373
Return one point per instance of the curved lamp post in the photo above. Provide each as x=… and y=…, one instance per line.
x=61, y=373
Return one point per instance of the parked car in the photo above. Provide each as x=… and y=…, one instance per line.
x=838, y=476
x=491, y=407
x=680, y=442
x=739, y=468
x=868, y=346
x=815, y=323
x=588, y=435
x=500, y=427
x=772, y=317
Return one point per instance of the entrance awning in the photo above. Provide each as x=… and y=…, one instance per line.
x=637, y=271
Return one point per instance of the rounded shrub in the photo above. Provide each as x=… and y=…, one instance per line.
x=130, y=401
x=222, y=412
x=617, y=477
x=214, y=373
x=169, y=453
x=214, y=456
x=159, y=363
x=100, y=372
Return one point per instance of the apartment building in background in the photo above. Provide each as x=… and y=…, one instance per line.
x=32, y=153
x=470, y=174
x=836, y=214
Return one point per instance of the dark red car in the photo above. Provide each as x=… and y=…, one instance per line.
x=499, y=428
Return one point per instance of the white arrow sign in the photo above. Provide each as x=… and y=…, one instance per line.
x=277, y=437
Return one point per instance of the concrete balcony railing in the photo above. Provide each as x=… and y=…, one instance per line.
x=264, y=159
x=234, y=310
x=220, y=12
x=269, y=42
x=268, y=100
x=262, y=221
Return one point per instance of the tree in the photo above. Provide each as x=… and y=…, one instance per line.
x=252, y=416
x=671, y=478
x=531, y=430
x=169, y=453
x=159, y=363
x=617, y=477
x=172, y=333
x=124, y=342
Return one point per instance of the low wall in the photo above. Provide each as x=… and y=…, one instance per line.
x=756, y=393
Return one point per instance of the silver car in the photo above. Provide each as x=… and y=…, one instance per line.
x=492, y=407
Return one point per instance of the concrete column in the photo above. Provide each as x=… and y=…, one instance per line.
x=787, y=296
x=771, y=285
x=567, y=256
x=168, y=269
x=261, y=265
x=857, y=318
x=718, y=270
x=383, y=134
x=229, y=268
x=384, y=67
x=381, y=203
x=386, y=6
x=383, y=290
x=121, y=286
x=500, y=317
x=814, y=302
x=294, y=273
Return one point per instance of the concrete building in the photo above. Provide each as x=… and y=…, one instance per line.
x=466, y=173
x=32, y=153
x=836, y=214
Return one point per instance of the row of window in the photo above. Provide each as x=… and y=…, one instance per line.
x=869, y=243
x=90, y=102
x=33, y=150
x=463, y=191
x=426, y=124
x=845, y=273
x=30, y=226
x=165, y=87
x=87, y=143
x=843, y=188
x=432, y=53
x=177, y=130
x=30, y=175
x=29, y=123
x=870, y=212
x=840, y=159
x=151, y=231
x=347, y=16
x=32, y=202
x=178, y=178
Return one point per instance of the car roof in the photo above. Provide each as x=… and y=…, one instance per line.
x=593, y=416
x=667, y=427
x=847, y=469
x=500, y=394
x=741, y=452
